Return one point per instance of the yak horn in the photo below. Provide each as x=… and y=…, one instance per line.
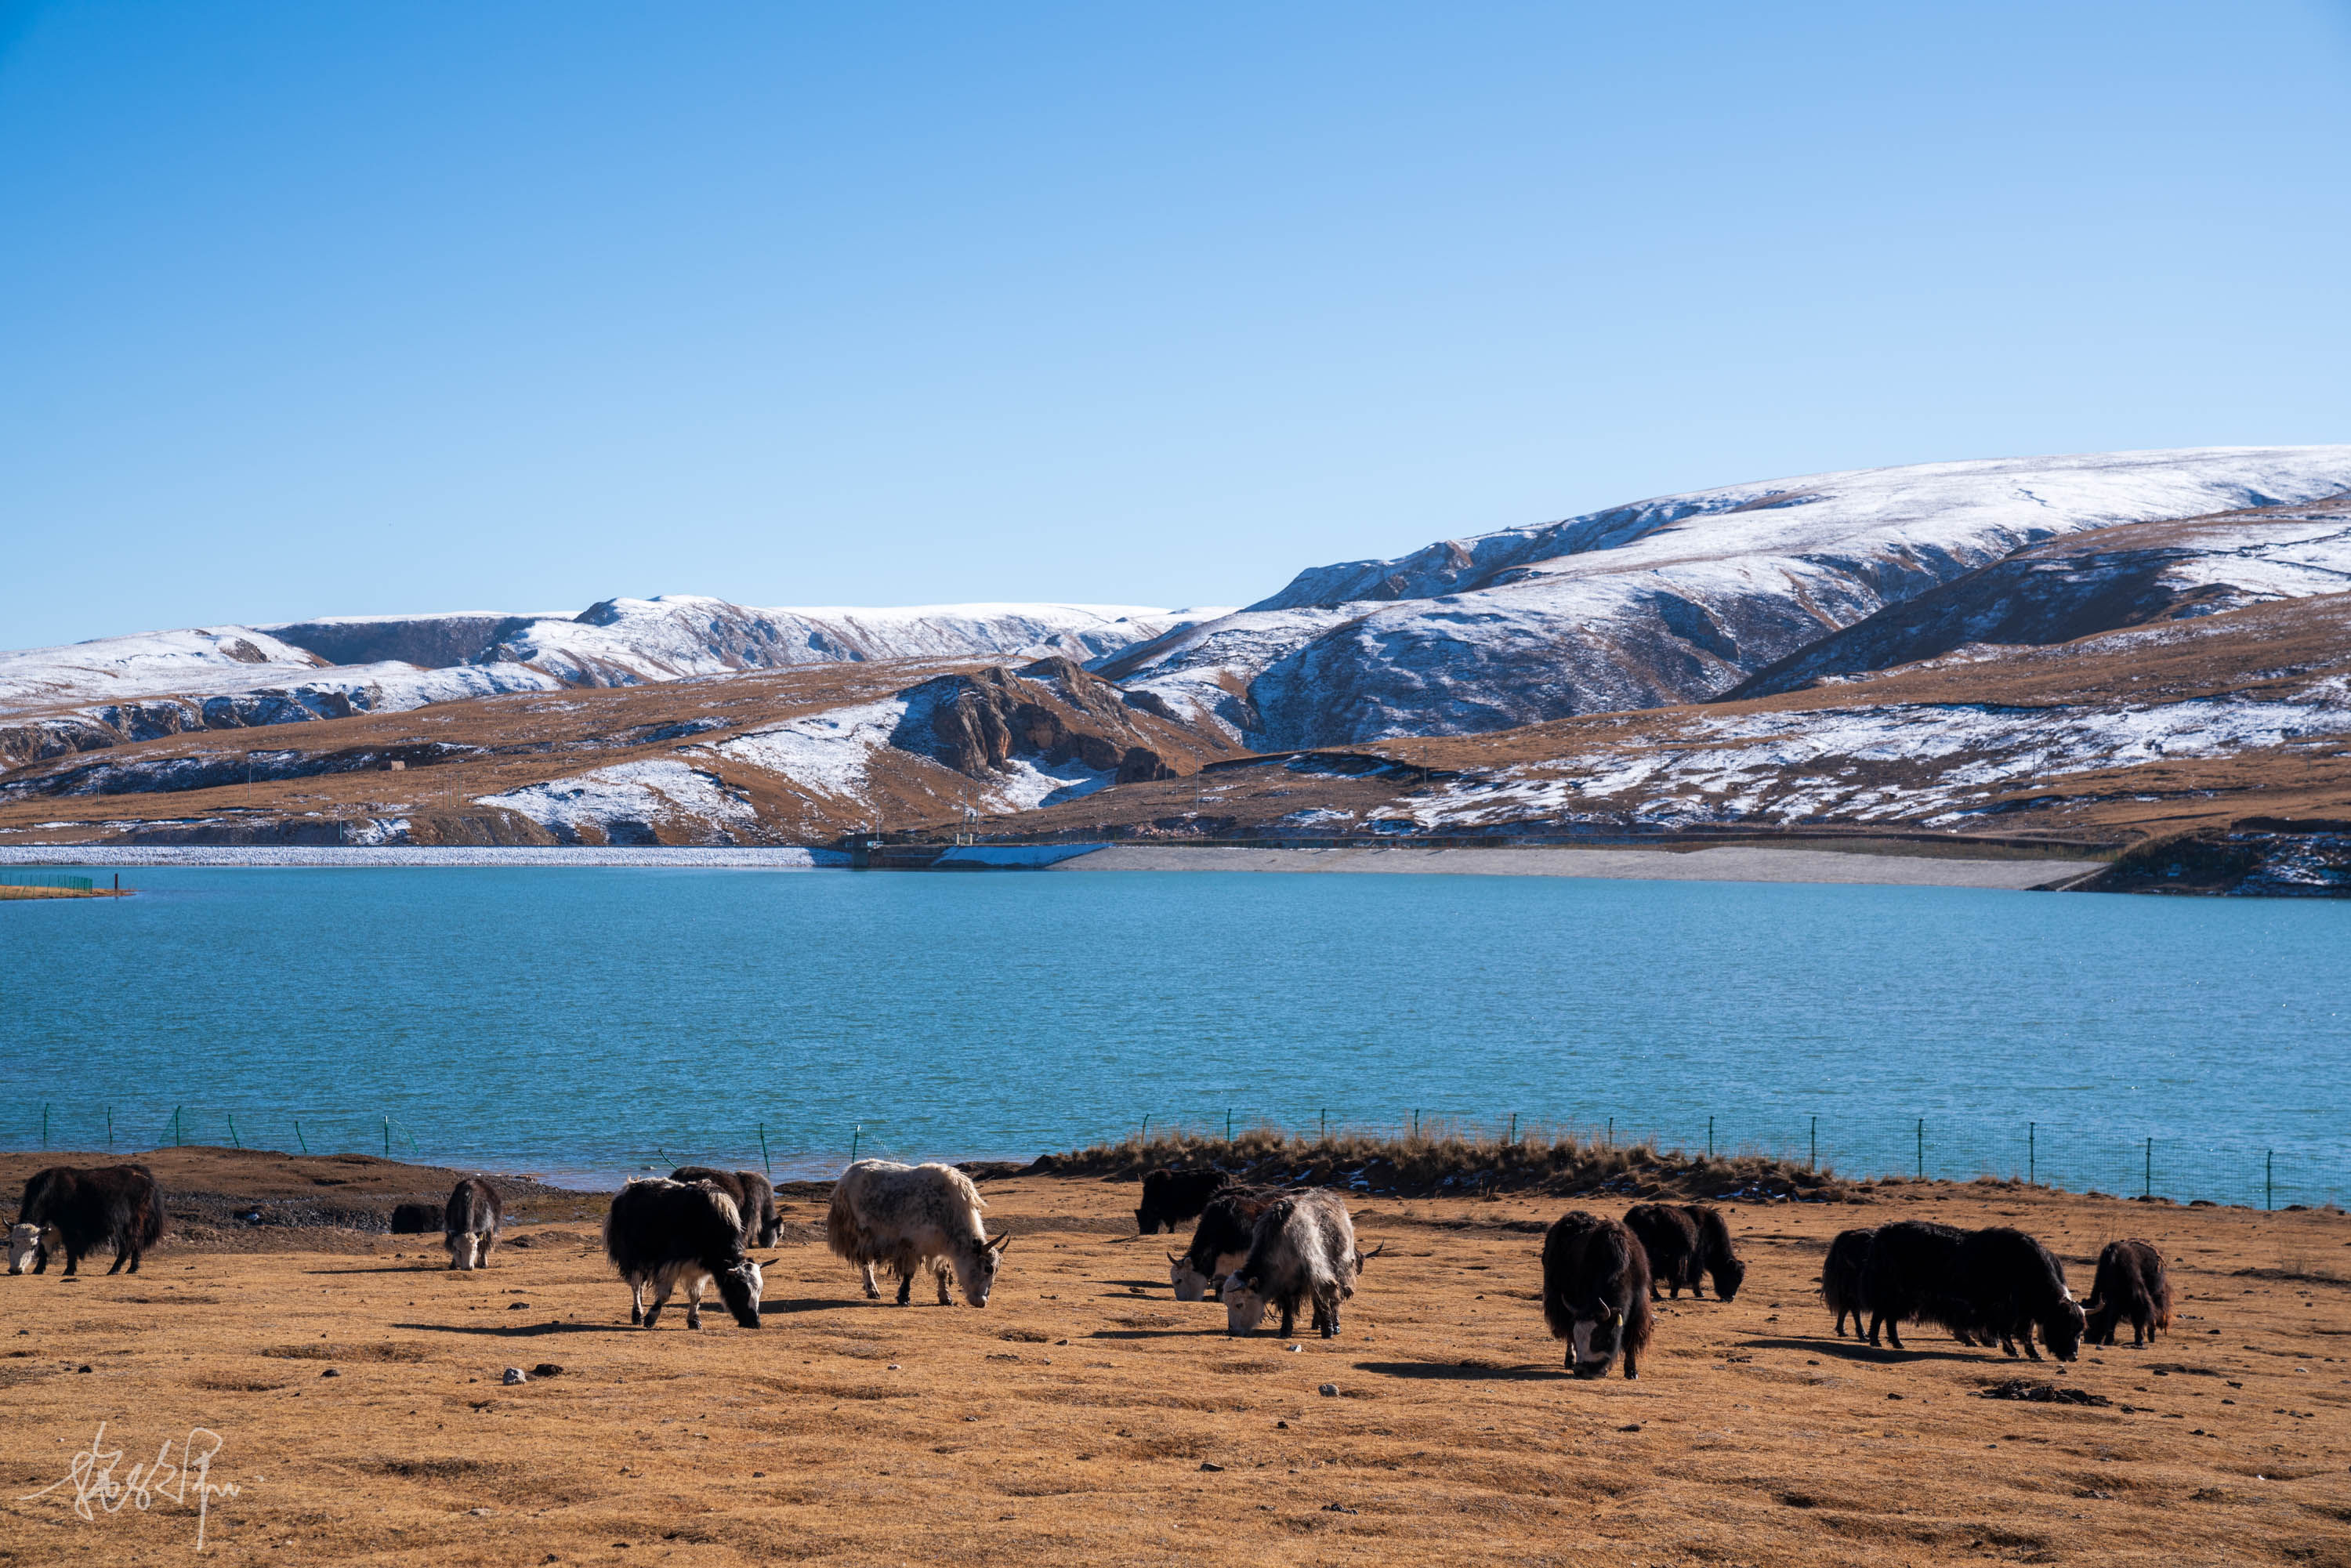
x=1174, y=1258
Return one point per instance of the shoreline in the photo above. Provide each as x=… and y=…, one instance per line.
x=1722, y=863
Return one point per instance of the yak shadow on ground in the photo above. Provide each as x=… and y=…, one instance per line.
x=1873, y=1356
x=808, y=1304
x=1203, y=1332
x=520, y=1331
x=1456, y=1372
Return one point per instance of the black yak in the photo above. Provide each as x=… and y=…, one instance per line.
x=753, y=1196
x=77, y=1211
x=1983, y=1285
x=1171, y=1197
x=1841, y=1276
x=418, y=1219
x=661, y=1233
x=2130, y=1284
x=1301, y=1251
x=1596, y=1292
x=469, y=1224
x=1685, y=1242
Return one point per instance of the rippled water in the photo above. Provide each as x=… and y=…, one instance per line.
x=594, y=1022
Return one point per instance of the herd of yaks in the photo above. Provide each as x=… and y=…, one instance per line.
x=1260, y=1249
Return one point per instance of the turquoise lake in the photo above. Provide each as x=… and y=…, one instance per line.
x=588, y=1023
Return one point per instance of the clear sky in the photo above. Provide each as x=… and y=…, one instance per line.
x=313, y=308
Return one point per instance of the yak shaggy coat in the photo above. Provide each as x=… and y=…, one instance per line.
x=913, y=1217
x=1685, y=1242
x=469, y=1225
x=1596, y=1292
x=1301, y=1249
x=1171, y=1197
x=2130, y=1284
x=753, y=1196
x=1996, y=1284
x=79, y=1211
x=1841, y=1279
x=664, y=1233
x=1220, y=1242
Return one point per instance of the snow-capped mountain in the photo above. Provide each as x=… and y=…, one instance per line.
x=1674, y=599
x=117, y=689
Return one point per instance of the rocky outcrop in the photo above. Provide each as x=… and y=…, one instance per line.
x=1052, y=711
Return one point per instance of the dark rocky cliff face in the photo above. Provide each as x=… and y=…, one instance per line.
x=1052, y=710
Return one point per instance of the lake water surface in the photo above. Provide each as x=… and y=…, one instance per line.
x=590, y=1023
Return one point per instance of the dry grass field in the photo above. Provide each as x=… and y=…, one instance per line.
x=1085, y=1417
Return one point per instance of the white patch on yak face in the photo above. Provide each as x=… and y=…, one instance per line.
x=1189, y=1283
x=1583, y=1327
x=23, y=1247
x=1244, y=1308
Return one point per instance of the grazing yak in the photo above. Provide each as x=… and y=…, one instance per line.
x=1596, y=1292
x=913, y=1217
x=1685, y=1242
x=469, y=1224
x=1171, y=1197
x=1841, y=1279
x=1219, y=1243
x=1301, y=1251
x=664, y=1233
x=753, y=1196
x=1997, y=1284
x=2130, y=1284
x=77, y=1211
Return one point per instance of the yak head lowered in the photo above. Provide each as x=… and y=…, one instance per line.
x=740, y=1286
x=27, y=1251
x=976, y=1263
x=2063, y=1328
x=1599, y=1335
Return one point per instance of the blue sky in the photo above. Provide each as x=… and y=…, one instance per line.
x=344, y=309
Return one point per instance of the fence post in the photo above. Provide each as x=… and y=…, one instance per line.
x=1514, y=1129
x=44, y=1123
x=1710, y=1137
x=1228, y=1124
x=2269, y=1178
x=232, y=1131
x=1815, y=1163
x=2147, y=1190
x=387, y=1137
x=2032, y=1154
x=110, y=1110
x=763, y=1158
x=1326, y=1124
x=1416, y=1123
x=1147, y=1132
x=178, y=1127
x=853, y=1139
x=1922, y=1148
x=1611, y=1132
x=299, y=1139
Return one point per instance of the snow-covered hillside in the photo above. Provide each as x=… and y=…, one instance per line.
x=1674, y=599
x=118, y=689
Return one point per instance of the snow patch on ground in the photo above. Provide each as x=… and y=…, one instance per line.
x=828, y=752
x=627, y=801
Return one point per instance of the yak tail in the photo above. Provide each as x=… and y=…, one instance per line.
x=841, y=1228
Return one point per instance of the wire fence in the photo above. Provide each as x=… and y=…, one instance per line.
x=59, y=880
x=2060, y=1156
